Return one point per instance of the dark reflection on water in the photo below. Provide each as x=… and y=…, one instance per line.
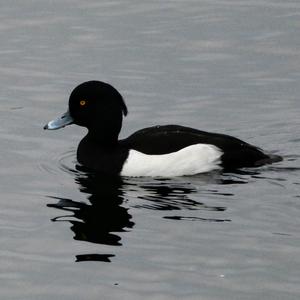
x=94, y=257
x=104, y=216
x=176, y=194
x=196, y=219
x=169, y=197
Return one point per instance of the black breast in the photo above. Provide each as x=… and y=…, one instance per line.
x=106, y=159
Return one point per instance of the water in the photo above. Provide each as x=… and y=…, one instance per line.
x=224, y=66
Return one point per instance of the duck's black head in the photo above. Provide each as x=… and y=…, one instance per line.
x=97, y=106
x=95, y=103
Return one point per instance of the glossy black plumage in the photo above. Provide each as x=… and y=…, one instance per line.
x=100, y=107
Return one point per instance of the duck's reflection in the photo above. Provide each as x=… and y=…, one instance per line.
x=104, y=216
x=99, y=220
x=178, y=195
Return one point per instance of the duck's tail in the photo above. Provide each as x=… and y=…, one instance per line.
x=270, y=159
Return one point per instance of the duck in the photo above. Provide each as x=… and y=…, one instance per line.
x=157, y=151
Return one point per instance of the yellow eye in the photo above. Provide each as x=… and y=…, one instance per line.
x=82, y=103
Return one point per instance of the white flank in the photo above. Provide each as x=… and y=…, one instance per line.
x=194, y=159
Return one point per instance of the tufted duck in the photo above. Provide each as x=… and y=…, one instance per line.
x=169, y=150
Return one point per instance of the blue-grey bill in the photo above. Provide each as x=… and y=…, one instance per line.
x=60, y=122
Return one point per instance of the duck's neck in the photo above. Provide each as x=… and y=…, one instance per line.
x=105, y=131
x=103, y=138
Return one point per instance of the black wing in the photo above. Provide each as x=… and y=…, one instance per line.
x=171, y=138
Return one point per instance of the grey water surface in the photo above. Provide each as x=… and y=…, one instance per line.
x=226, y=66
